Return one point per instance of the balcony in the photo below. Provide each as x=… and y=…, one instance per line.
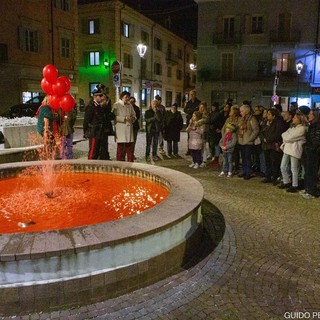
x=171, y=59
x=227, y=39
x=285, y=36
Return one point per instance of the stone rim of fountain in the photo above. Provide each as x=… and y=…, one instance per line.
x=109, y=233
x=66, y=268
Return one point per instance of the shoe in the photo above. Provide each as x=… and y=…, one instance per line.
x=292, y=189
x=169, y=156
x=196, y=166
x=191, y=165
x=247, y=177
x=229, y=175
x=308, y=196
x=266, y=180
x=221, y=174
x=155, y=158
x=176, y=155
x=148, y=159
x=203, y=165
x=284, y=185
x=302, y=192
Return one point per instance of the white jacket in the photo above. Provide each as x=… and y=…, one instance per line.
x=123, y=128
x=293, y=140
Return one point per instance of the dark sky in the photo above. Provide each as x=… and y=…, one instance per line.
x=181, y=15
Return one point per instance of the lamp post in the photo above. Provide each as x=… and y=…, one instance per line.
x=299, y=67
x=142, y=49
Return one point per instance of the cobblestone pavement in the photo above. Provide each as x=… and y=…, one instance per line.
x=266, y=266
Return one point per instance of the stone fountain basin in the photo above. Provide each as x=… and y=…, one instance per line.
x=65, y=268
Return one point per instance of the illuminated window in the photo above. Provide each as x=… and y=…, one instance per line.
x=126, y=88
x=125, y=30
x=282, y=62
x=94, y=58
x=94, y=26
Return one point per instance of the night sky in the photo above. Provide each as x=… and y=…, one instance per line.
x=180, y=16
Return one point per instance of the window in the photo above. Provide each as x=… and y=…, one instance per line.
x=94, y=58
x=179, y=53
x=169, y=72
x=27, y=95
x=127, y=60
x=228, y=27
x=282, y=62
x=179, y=74
x=168, y=98
x=262, y=68
x=94, y=26
x=158, y=69
x=145, y=37
x=29, y=39
x=126, y=88
x=257, y=24
x=125, y=30
x=227, y=66
x=157, y=43
x=3, y=52
x=92, y=86
x=62, y=4
x=65, y=47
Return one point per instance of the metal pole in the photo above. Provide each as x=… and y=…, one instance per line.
x=298, y=82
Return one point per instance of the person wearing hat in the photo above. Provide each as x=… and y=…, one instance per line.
x=227, y=144
x=95, y=125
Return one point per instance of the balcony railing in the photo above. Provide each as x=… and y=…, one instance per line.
x=227, y=39
x=282, y=36
x=171, y=58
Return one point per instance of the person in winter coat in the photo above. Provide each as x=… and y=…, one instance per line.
x=195, y=142
x=292, y=147
x=173, y=126
x=247, y=133
x=66, y=132
x=154, y=120
x=271, y=141
x=311, y=155
x=124, y=119
x=227, y=144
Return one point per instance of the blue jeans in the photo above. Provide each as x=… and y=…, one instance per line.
x=295, y=165
x=227, y=162
x=246, y=152
x=152, y=140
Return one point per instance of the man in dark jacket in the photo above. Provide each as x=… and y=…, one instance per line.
x=191, y=106
x=136, y=125
x=97, y=124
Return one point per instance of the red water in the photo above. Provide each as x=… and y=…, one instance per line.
x=78, y=199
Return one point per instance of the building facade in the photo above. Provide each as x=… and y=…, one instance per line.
x=249, y=50
x=110, y=32
x=33, y=34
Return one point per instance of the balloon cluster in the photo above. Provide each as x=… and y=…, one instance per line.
x=57, y=89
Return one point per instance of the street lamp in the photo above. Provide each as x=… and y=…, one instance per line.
x=142, y=49
x=299, y=67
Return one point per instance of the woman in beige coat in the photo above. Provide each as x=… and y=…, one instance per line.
x=124, y=119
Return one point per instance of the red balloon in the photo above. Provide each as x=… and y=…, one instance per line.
x=54, y=102
x=50, y=73
x=46, y=86
x=67, y=102
x=68, y=82
x=59, y=87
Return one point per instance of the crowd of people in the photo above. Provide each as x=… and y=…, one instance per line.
x=283, y=147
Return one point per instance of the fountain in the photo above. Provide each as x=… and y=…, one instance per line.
x=64, y=268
